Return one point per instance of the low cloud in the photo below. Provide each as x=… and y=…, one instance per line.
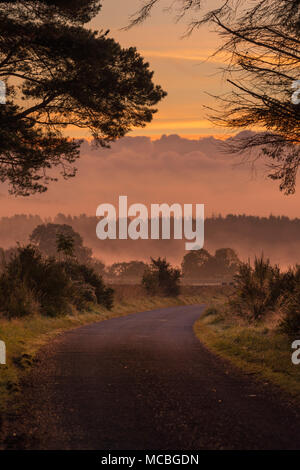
x=170, y=169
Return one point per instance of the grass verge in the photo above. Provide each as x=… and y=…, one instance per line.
x=258, y=349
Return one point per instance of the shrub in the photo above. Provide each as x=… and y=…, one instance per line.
x=258, y=289
x=55, y=289
x=88, y=286
x=150, y=282
x=160, y=278
x=28, y=279
x=32, y=283
x=17, y=300
x=290, y=323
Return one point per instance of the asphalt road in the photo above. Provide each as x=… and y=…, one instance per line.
x=145, y=382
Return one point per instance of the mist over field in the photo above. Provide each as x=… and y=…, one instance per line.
x=277, y=237
x=169, y=169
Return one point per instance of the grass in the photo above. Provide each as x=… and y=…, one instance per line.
x=258, y=349
x=24, y=336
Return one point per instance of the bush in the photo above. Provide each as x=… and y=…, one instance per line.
x=160, y=278
x=31, y=283
x=29, y=280
x=263, y=288
x=55, y=289
x=88, y=286
x=17, y=300
x=290, y=324
x=258, y=289
x=150, y=282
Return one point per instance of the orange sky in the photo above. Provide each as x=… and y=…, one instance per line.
x=173, y=170
x=182, y=66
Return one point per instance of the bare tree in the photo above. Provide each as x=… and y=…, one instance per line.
x=262, y=45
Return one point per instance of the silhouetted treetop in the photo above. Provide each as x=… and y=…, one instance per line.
x=73, y=11
x=58, y=74
x=51, y=239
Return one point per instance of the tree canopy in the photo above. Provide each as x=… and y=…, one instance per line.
x=59, y=73
x=161, y=278
x=262, y=44
x=200, y=264
x=127, y=271
x=52, y=239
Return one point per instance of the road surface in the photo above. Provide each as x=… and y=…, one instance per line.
x=145, y=382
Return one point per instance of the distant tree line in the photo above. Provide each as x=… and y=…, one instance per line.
x=277, y=237
x=198, y=265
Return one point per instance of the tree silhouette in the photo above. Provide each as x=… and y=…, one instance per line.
x=126, y=271
x=262, y=45
x=195, y=262
x=161, y=278
x=58, y=73
x=52, y=238
x=226, y=261
x=65, y=244
x=200, y=264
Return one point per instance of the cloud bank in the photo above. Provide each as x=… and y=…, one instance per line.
x=170, y=169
